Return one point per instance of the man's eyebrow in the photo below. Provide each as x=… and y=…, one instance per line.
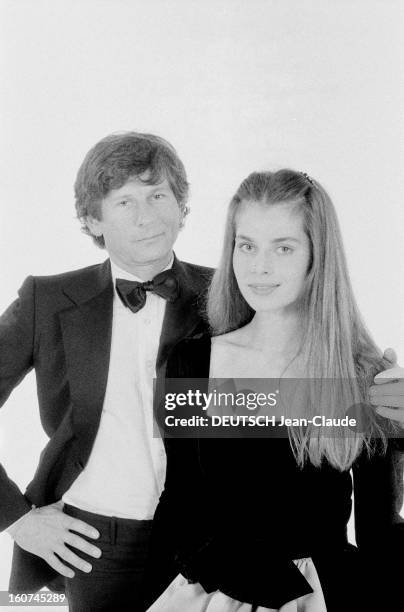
x=161, y=185
x=121, y=196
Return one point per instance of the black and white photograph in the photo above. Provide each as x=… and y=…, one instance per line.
x=202, y=196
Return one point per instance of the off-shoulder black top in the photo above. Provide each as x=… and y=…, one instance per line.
x=236, y=512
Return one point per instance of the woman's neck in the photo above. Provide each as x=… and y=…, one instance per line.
x=279, y=331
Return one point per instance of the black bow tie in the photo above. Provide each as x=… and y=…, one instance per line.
x=133, y=294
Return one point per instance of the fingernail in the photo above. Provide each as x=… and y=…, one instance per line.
x=96, y=534
x=87, y=568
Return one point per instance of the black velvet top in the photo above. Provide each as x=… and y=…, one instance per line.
x=236, y=512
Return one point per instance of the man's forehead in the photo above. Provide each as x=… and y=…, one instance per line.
x=145, y=179
x=153, y=178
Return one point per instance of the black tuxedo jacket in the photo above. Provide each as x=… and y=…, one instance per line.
x=61, y=326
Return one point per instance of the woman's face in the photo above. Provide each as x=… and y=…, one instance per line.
x=271, y=255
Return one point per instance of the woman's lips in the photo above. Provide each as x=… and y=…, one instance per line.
x=263, y=289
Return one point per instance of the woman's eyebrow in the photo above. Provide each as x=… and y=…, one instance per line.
x=275, y=240
x=242, y=237
x=286, y=238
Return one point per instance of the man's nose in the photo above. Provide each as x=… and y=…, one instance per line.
x=144, y=212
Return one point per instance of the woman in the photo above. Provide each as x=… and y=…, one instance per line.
x=261, y=523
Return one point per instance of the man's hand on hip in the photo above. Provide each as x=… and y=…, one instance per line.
x=46, y=531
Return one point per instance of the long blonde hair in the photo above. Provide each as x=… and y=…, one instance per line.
x=336, y=343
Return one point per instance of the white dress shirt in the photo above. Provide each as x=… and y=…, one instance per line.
x=125, y=473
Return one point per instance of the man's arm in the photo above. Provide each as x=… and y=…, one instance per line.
x=16, y=360
x=379, y=528
x=387, y=394
x=41, y=531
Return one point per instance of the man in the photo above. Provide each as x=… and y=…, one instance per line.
x=96, y=342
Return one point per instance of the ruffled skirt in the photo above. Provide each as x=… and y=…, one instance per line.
x=181, y=596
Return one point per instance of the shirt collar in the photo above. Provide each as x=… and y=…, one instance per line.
x=117, y=272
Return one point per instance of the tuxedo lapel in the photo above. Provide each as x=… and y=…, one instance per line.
x=183, y=316
x=86, y=330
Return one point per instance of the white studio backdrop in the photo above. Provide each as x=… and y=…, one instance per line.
x=315, y=85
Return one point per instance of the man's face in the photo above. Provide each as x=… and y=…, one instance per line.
x=139, y=223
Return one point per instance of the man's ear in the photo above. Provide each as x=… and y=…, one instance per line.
x=94, y=225
x=183, y=214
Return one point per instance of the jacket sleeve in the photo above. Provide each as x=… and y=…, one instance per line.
x=16, y=360
x=378, y=490
x=379, y=527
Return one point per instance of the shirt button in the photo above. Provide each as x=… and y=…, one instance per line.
x=147, y=321
x=149, y=363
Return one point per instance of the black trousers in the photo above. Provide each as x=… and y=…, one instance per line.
x=116, y=580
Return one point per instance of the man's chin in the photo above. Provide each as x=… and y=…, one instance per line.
x=153, y=258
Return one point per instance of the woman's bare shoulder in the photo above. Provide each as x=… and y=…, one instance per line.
x=234, y=339
x=231, y=355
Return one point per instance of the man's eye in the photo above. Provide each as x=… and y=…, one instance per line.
x=123, y=203
x=158, y=196
x=284, y=250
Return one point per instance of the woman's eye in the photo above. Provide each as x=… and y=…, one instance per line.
x=246, y=247
x=123, y=203
x=284, y=250
x=158, y=196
